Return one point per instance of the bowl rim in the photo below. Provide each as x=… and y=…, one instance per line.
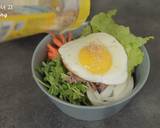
x=134, y=92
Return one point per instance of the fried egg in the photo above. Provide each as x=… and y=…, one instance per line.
x=98, y=57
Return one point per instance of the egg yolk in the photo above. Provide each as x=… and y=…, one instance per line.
x=95, y=58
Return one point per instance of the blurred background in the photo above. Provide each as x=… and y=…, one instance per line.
x=22, y=104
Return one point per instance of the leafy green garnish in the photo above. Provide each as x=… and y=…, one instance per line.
x=103, y=22
x=53, y=78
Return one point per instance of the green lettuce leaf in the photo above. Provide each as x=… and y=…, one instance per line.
x=103, y=22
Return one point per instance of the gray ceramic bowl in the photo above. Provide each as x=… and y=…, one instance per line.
x=90, y=113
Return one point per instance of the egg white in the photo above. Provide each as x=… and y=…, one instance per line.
x=117, y=74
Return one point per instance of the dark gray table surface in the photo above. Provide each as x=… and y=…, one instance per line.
x=23, y=105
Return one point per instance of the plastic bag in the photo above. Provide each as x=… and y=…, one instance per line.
x=28, y=17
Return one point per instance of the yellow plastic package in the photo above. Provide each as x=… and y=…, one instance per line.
x=28, y=17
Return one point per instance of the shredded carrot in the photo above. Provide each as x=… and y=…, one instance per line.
x=57, y=42
x=62, y=38
x=51, y=48
x=51, y=56
x=52, y=52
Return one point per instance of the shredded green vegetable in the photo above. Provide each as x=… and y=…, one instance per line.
x=53, y=78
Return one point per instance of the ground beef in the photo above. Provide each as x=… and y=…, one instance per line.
x=74, y=79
